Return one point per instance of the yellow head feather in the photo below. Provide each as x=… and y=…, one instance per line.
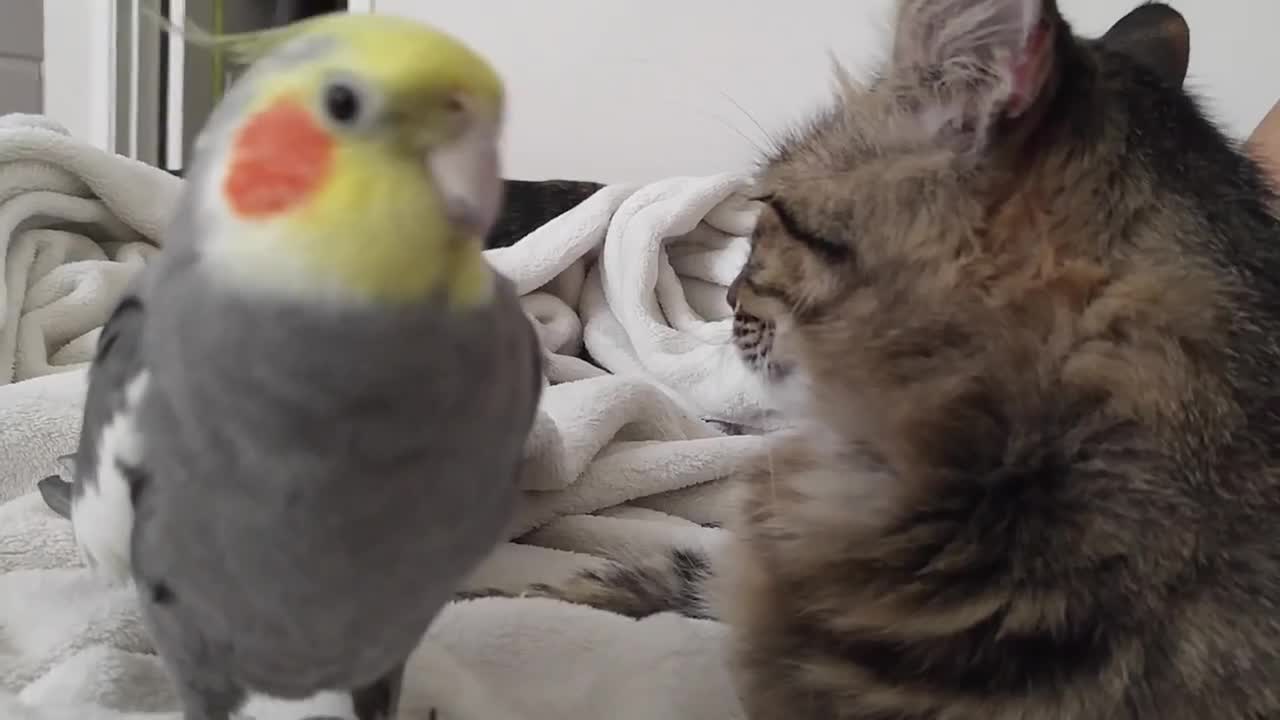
x=384, y=40
x=373, y=224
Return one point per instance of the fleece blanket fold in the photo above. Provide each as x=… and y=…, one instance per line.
x=627, y=291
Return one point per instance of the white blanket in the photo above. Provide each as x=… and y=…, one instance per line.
x=619, y=461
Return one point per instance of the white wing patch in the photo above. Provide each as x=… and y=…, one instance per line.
x=102, y=515
x=336, y=705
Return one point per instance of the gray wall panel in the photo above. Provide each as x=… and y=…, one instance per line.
x=22, y=28
x=20, y=86
x=21, y=55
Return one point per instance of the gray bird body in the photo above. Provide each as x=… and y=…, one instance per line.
x=311, y=485
x=354, y=484
x=297, y=440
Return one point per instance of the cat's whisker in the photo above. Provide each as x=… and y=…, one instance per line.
x=756, y=146
x=772, y=142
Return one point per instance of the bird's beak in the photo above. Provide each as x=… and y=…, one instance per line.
x=467, y=173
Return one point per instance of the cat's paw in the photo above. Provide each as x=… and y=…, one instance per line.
x=674, y=581
x=483, y=593
x=588, y=588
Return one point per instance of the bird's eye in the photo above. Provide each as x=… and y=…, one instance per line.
x=343, y=103
x=454, y=106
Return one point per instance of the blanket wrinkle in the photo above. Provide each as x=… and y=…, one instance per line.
x=627, y=294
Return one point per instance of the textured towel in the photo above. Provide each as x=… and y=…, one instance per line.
x=627, y=292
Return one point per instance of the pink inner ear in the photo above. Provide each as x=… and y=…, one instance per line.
x=1031, y=71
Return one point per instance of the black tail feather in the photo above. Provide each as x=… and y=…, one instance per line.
x=57, y=495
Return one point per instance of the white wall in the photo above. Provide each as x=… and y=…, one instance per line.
x=79, y=80
x=629, y=90
x=79, y=37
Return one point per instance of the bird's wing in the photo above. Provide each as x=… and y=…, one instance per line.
x=99, y=499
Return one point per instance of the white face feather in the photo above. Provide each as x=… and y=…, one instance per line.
x=244, y=256
x=238, y=258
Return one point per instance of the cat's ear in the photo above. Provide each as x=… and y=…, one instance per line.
x=1157, y=36
x=970, y=65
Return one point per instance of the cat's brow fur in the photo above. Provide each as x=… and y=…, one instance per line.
x=1029, y=323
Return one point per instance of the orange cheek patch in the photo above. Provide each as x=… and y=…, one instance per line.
x=278, y=159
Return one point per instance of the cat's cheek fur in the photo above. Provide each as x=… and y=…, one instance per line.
x=812, y=489
x=790, y=394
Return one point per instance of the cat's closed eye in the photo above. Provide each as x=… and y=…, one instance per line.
x=828, y=248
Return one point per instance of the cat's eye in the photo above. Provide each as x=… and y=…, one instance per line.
x=829, y=249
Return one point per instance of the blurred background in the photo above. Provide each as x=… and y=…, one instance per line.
x=611, y=90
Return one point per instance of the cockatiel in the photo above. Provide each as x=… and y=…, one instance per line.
x=305, y=419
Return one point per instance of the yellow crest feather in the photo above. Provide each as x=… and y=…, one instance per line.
x=243, y=48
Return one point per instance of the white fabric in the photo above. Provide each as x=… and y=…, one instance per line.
x=619, y=460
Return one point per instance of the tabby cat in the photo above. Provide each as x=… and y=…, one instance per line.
x=1021, y=301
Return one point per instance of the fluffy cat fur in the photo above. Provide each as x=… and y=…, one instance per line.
x=1021, y=301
